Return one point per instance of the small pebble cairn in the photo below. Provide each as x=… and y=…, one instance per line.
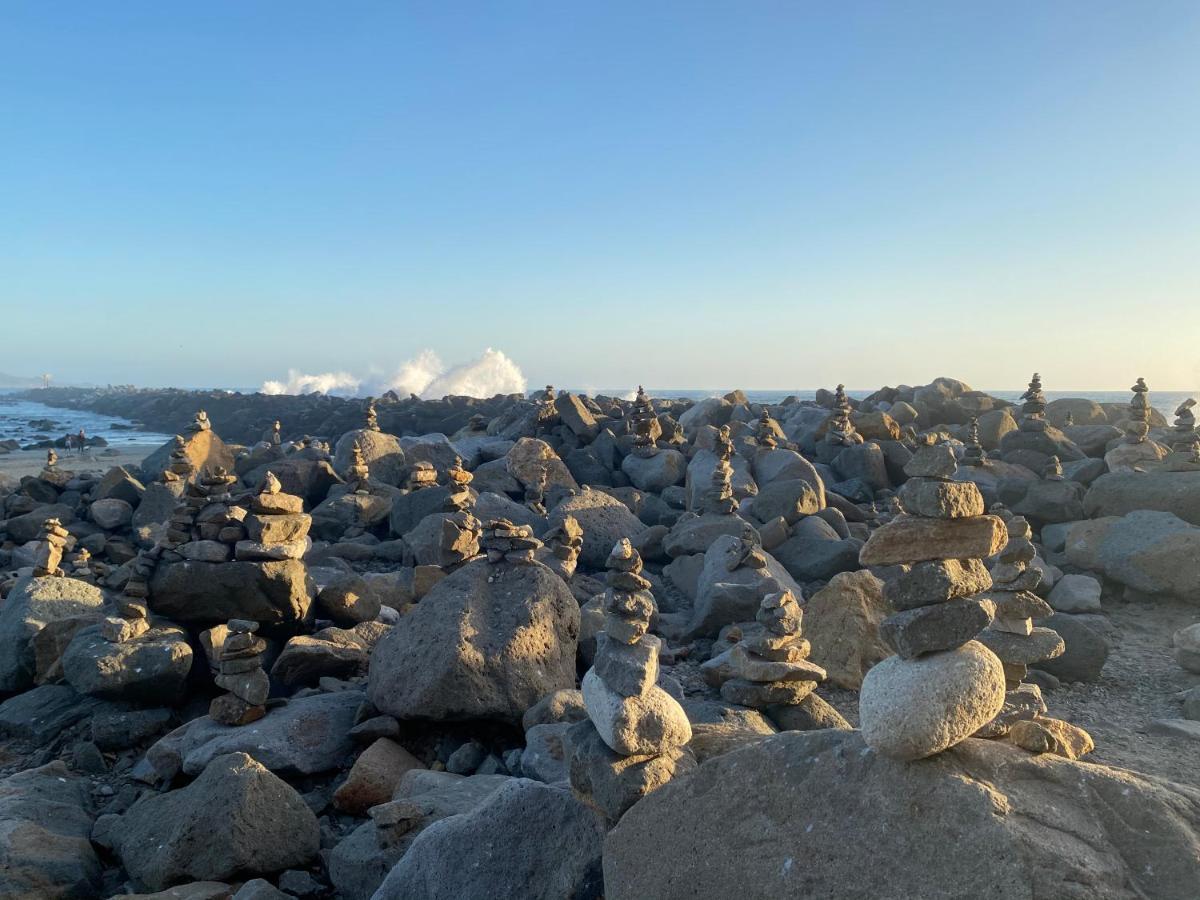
x=47, y=559
x=772, y=668
x=504, y=541
x=240, y=672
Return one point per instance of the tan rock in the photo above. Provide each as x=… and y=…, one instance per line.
x=1046, y=735
x=842, y=623
x=909, y=539
x=374, y=776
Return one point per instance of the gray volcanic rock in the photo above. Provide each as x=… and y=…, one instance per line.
x=235, y=819
x=1140, y=550
x=46, y=815
x=487, y=641
x=528, y=840
x=381, y=452
x=604, y=519
x=1118, y=493
x=307, y=735
x=31, y=605
x=151, y=668
x=271, y=593
x=799, y=813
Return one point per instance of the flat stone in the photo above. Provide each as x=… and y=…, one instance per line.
x=936, y=581
x=374, y=776
x=754, y=668
x=910, y=539
x=1045, y=735
x=941, y=499
x=936, y=461
x=277, y=529
x=760, y=696
x=943, y=626
x=1040, y=645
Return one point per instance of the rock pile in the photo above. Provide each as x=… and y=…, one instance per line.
x=240, y=672
x=841, y=430
x=632, y=740
x=1033, y=407
x=942, y=685
x=276, y=526
x=505, y=541
x=973, y=454
x=1185, y=442
x=772, y=668
x=47, y=559
x=422, y=475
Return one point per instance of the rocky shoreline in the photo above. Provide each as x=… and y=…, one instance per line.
x=560, y=646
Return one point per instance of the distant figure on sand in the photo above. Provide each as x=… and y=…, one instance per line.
x=81, y=441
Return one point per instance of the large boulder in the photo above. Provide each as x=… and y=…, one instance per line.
x=655, y=472
x=1118, y=493
x=528, y=840
x=381, y=452
x=235, y=819
x=31, y=605
x=45, y=823
x=303, y=476
x=152, y=668
x=728, y=592
x=204, y=450
x=28, y=526
x=841, y=621
x=604, y=519
x=800, y=812
x=488, y=641
x=305, y=736
x=1141, y=550
x=530, y=459
x=272, y=593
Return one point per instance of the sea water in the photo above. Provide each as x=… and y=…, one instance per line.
x=27, y=423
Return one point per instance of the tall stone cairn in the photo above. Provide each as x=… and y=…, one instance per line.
x=772, y=668
x=1033, y=409
x=942, y=685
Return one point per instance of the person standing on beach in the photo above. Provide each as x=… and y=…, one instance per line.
x=81, y=441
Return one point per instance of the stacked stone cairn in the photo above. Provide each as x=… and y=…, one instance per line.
x=772, y=668
x=638, y=722
x=459, y=539
x=47, y=559
x=1012, y=635
x=1033, y=409
x=276, y=526
x=535, y=493
x=372, y=418
x=421, y=475
x=973, y=454
x=765, y=434
x=841, y=431
x=942, y=685
x=179, y=467
x=133, y=613
x=719, y=499
x=505, y=541
x=205, y=513
x=240, y=671
x=645, y=424
x=81, y=565
x=200, y=423
x=359, y=472
x=564, y=543
x=1053, y=470
x=1139, y=412
x=1185, y=444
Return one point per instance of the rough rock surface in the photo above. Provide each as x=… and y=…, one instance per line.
x=236, y=818
x=205, y=593
x=800, y=812
x=488, y=641
x=841, y=621
x=30, y=606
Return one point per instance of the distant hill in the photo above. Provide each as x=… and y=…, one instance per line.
x=16, y=381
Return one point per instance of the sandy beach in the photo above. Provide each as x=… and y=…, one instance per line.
x=19, y=463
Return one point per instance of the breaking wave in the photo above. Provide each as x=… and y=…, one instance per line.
x=424, y=375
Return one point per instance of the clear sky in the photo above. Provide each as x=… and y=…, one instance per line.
x=688, y=194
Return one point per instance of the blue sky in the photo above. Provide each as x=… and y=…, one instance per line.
x=686, y=194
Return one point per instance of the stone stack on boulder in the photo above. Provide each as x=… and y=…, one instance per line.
x=200, y=422
x=458, y=483
x=372, y=418
x=942, y=685
x=1053, y=470
x=276, y=526
x=973, y=454
x=240, y=672
x=47, y=559
x=421, y=475
x=1033, y=407
x=772, y=668
x=179, y=466
x=1185, y=443
x=841, y=431
x=1012, y=635
x=563, y=544
x=764, y=434
x=358, y=476
x=505, y=541
x=645, y=425
x=1136, y=450
x=632, y=741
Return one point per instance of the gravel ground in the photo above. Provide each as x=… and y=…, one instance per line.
x=1140, y=682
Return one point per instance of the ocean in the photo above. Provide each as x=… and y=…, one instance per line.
x=22, y=421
